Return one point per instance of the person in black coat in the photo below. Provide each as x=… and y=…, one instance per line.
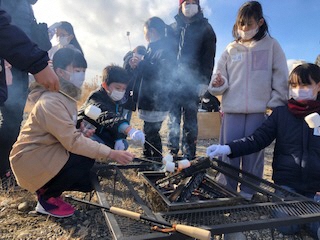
x=20, y=52
x=296, y=159
x=157, y=78
x=195, y=54
x=134, y=83
x=111, y=127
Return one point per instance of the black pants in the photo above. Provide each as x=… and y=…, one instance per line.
x=11, y=116
x=74, y=176
x=186, y=107
x=152, y=135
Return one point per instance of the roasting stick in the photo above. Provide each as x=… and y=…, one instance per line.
x=153, y=147
x=190, y=231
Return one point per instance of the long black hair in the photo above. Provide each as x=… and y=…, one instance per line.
x=69, y=29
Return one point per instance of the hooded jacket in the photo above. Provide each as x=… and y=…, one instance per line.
x=296, y=157
x=157, y=76
x=110, y=118
x=197, y=48
x=48, y=136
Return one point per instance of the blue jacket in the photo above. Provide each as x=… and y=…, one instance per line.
x=296, y=157
x=19, y=51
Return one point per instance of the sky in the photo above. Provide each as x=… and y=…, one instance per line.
x=101, y=26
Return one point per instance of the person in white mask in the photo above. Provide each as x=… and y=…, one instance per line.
x=111, y=127
x=252, y=77
x=296, y=160
x=64, y=37
x=52, y=155
x=196, y=49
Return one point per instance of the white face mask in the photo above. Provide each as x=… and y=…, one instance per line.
x=63, y=41
x=76, y=78
x=117, y=95
x=189, y=10
x=247, y=35
x=302, y=94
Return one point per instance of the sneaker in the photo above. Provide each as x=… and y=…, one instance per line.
x=55, y=207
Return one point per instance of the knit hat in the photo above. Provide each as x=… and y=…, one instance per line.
x=181, y=1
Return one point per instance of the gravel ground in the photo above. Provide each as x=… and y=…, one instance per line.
x=19, y=221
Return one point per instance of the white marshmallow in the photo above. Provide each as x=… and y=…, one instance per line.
x=169, y=167
x=167, y=158
x=92, y=112
x=313, y=120
x=184, y=164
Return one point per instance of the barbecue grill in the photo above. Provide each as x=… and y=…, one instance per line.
x=216, y=209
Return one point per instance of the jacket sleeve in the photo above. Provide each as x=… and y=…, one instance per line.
x=222, y=69
x=208, y=53
x=259, y=140
x=59, y=122
x=18, y=49
x=280, y=72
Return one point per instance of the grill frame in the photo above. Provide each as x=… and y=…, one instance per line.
x=305, y=210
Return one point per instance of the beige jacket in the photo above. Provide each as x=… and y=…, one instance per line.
x=47, y=137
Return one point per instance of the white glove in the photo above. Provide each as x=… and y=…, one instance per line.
x=137, y=136
x=119, y=145
x=218, y=150
x=202, y=88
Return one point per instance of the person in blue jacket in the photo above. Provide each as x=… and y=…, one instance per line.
x=296, y=158
x=23, y=54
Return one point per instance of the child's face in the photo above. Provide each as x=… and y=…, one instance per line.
x=121, y=87
x=305, y=92
x=249, y=24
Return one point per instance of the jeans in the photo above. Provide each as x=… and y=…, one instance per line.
x=152, y=135
x=11, y=114
x=187, y=109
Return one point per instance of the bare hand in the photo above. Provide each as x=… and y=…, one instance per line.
x=48, y=79
x=87, y=132
x=218, y=82
x=122, y=157
x=134, y=62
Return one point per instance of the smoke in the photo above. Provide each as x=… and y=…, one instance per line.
x=101, y=26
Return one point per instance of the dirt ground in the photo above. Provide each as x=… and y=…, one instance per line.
x=87, y=223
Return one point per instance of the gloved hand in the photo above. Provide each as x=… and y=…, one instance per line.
x=121, y=144
x=202, y=88
x=137, y=136
x=218, y=150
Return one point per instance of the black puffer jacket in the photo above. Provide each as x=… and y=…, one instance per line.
x=17, y=49
x=296, y=160
x=110, y=117
x=157, y=76
x=197, y=47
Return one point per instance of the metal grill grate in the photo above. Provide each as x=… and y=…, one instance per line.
x=251, y=217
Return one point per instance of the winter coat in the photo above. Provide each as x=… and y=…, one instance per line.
x=47, y=138
x=133, y=87
x=19, y=51
x=110, y=118
x=22, y=14
x=296, y=157
x=256, y=77
x=157, y=76
x=196, y=50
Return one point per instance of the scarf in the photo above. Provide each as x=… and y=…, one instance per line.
x=300, y=109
